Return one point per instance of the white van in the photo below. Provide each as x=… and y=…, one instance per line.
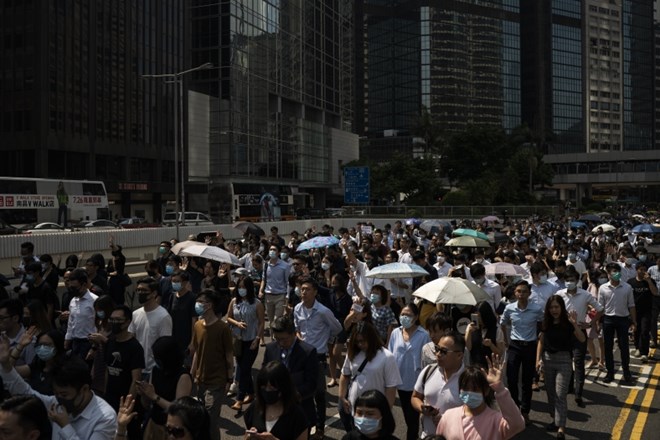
x=191, y=219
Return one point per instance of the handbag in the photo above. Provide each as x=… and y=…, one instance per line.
x=353, y=377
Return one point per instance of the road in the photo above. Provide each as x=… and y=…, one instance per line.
x=614, y=411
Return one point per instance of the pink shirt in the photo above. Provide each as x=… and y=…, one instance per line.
x=491, y=424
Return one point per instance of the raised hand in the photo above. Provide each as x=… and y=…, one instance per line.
x=495, y=369
x=125, y=413
x=26, y=338
x=572, y=317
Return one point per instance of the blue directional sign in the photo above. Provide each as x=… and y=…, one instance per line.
x=356, y=185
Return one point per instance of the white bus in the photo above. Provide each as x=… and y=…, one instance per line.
x=26, y=200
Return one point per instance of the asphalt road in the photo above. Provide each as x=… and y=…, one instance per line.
x=614, y=411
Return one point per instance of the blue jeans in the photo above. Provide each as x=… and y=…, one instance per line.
x=244, y=364
x=620, y=326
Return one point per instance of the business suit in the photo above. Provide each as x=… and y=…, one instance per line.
x=303, y=364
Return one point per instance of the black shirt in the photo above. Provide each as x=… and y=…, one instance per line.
x=182, y=310
x=642, y=294
x=558, y=338
x=289, y=426
x=121, y=358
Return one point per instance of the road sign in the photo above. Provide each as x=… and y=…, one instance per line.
x=356, y=185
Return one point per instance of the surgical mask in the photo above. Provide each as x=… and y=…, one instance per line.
x=543, y=279
x=29, y=278
x=571, y=256
x=270, y=397
x=440, y=260
x=199, y=308
x=616, y=276
x=100, y=314
x=471, y=398
x=602, y=280
x=143, y=297
x=169, y=270
x=116, y=328
x=374, y=298
x=161, y=250
x=45, y=352
x=325, y=266
x=642, y=257
x=406, y=321
x=571, y=285
x=297, y=291
x=242, y=292
x=272, y=254
x=284, y=255
x=366, y=425
x=176, y=287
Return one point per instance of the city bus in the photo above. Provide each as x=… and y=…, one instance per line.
x=26, y=200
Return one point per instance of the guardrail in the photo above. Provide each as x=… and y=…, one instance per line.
x=452, y=212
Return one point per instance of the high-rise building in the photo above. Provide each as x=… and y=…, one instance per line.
x=278, y=107
x=73, y=101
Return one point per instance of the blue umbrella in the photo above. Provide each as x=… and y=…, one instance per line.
x=646, y=228
x=576, y=225
x=319, y=241
x=470, y=233
x=397, y=270
x=413, y=221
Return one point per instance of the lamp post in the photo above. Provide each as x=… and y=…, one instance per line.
x=176, y=79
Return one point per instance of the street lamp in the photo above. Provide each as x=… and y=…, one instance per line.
x=176, y=79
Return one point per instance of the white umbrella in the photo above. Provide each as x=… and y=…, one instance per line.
x=507, y=269
x=448, y=290
x=397, y=270
x=183, y=245
x=605, y=227
x=210, y=253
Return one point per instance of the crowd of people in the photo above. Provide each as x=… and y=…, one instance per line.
x=83, y=362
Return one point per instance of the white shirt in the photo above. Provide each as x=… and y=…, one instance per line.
x=98, y=421
x=494, y=291
x=580, y=302
x=147, y=328
x=82, y=317
x=627, y=272
x=379, y=373
x=443, y=269
x=578, y=265
x=617, y=300
x=441, y=394
x=541, y=293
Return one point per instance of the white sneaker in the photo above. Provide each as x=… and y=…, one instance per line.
x=636, y=353
x=233, y=389
x=644, y=359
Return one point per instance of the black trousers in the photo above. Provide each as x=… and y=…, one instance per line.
x=409, y=415
x=521, y=355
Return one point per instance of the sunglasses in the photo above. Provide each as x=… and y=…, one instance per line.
x=175, y=432
x=443, y=351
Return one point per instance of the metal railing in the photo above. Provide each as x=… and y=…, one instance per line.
x=452, y=212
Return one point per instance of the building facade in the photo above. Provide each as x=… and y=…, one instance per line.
x=73, y=102
x=279, y=105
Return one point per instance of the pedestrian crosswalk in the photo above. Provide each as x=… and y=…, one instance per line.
x=641, y=375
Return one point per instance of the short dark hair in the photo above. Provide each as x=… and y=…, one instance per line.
x=28, y=245
x=31, y=413
x=166, y=351
x=612, y=266
x=459, y=339
x=311, y=281
x=128, y=314
x=14, y=307
x=276, y=374
x=439, y=320
x=151, y=283
x=284, y=324
x=376, y=399
x=211, y=296
x=72, y=373
x=537, y=268
x=477, y=269
x=571, y=272
x=46, y=258
x=185, y=276
x=384, y=293
x=80, y=275
x=194, y=416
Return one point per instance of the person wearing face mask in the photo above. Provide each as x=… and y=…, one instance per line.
x=274, y=283
x=151, y=321
x=477, y=419
x=246, y=318
x=541, y=288
x=275, y=410
x=72, y=397
x=406, y=343
x=627, y=265
x=164, y=252
x=124, y=358
x=373, y=418
x=442, y=266
x=213, y=361
x=340, y=305
x=49, y=349
x=39, y=289
x=182, y=310
x=644, y=290
x=618, y=300
x=484, y=337
x=82, y=316
x=579, y=301
x=597, y=277
x=381, y=314
x=104, y=305
x=49, y=272
x=493, y=289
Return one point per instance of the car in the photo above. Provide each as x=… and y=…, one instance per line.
x=42, y=228
x=191, y=218
x=7, y=229
x=131, y=221
x=97, y=224
x=334, y=212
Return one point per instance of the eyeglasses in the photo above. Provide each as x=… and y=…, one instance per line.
x=175, y=431
x=443, y=351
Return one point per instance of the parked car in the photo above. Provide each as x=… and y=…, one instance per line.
x=42, y=228
x=96, y=224
x=334, y=212
x=7, y=229
x=190, y=218
x=136, y=223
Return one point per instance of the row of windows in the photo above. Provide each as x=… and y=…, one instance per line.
x=604, y=11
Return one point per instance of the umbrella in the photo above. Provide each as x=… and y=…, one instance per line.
x=210, y=253
x=249, y=228
x=448, y=290
x=413, y=221
x=507, y=269
x=466, y=241
x=605, y=227
x=498, y=237
x=576, y=225
x=470, y=233
x=604, y=214
x=638, y=216
x=176, y=250
x=435, y=226
x=319, y=241
x=646, y=228
x=397, y=270
x=589, y=218
x=491, y=218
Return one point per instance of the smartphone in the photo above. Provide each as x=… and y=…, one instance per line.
x=357, y=307
x=475, y=319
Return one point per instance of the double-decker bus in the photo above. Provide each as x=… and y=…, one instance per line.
x=26, y=200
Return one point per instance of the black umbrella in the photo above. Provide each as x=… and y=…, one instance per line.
x=590, y=218
x=498, y=237
x=249, y=228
